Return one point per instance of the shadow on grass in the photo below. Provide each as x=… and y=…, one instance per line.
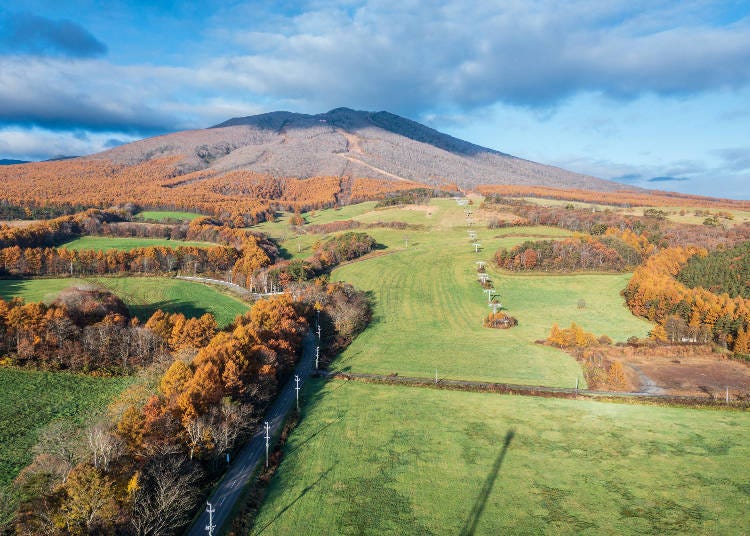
x=296, y=499
x=472, y=522
x=190, y=309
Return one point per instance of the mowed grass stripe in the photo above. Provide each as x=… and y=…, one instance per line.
x=429, y=308
x=374, y=459
x=428, y=315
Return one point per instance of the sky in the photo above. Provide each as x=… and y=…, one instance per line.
x=650, y=93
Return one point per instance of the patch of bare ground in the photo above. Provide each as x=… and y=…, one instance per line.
x=692, y=370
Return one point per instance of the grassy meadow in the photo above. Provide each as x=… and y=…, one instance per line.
x=375, y=459
x=29, y=400
x=142, y=295
x=36, y=290
x=106, y=243
x=429, y=306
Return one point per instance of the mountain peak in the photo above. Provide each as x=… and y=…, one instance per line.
x=347, y=143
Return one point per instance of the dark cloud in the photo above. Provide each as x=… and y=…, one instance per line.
x=667, y=179
x=24, y=33
x=114, y=142
x=736, y=159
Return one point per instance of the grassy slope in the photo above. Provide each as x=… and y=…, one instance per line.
x=35, y=290
x=143, y=295
x=29, y=400
x=373, y=459
x=429, y=307
x=105, y=243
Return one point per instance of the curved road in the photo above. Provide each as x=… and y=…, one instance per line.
x=242, y=468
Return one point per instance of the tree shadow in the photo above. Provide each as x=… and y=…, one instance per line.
x=297, y=498
x=475, y=515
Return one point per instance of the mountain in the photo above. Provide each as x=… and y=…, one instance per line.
x=347, y=143
x=11, y=162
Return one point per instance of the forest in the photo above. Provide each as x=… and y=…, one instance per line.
x=577, y=253
x=720, y=272
x=685, y=314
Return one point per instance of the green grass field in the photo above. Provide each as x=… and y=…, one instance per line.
x=36, y=290
x=142, y=295
x=372, y=459
x=29, y=400
x=105, y=243
x=166, y=215
x=429, y=308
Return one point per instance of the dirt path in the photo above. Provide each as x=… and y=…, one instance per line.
x=531, y=390
x=647, y=385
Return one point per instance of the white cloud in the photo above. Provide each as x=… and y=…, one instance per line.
x=36, y=143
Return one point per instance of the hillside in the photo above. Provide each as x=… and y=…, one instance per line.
x=346, y=143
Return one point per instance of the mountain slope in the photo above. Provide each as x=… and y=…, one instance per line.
x=347, y=143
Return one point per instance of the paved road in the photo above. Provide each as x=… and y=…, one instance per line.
x=254, y=452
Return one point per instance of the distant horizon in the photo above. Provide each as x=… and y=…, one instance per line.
x=652, y=183
x=544, y=81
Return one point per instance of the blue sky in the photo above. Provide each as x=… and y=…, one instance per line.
x=652, y=93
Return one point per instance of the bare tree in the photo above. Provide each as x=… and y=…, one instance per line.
x=62, y=443
x=198, y=431
x=230, y=421
x=166, y=495
x=104, y=446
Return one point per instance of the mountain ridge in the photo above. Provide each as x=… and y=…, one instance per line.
x=348, y=143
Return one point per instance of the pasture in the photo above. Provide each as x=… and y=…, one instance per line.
x=106, y=243
x=376, y=459
x=36, y=290
x=29, y=400
x=429, y=308
x=142, y=295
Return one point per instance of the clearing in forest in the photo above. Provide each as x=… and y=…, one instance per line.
x=142, y=295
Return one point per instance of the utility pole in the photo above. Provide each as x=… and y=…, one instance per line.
x=476, y=247
x=268, y=438
x=296, y=379
x=210, y=527
x=317, y=356
x=436, y=377
x=489, y=292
